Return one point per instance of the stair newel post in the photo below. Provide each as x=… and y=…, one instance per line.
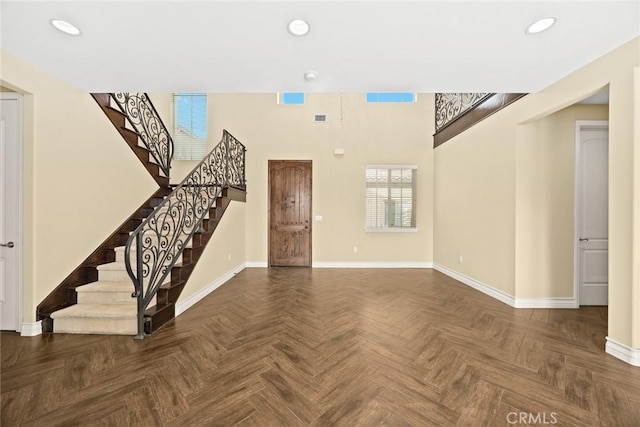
x=139, y=287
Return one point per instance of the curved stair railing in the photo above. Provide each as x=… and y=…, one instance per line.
x=145, y=120
x=158, y=243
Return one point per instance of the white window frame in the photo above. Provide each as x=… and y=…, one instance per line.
x=394, y=229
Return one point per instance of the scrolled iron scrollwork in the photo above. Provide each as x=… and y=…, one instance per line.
x=158, y=243
x=450, y=106
x=144, y=119
x=235, y=171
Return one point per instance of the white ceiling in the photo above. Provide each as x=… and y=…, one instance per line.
x=355, y=46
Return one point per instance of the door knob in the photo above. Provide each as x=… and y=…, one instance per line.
x=7, y=245
x=584, y=239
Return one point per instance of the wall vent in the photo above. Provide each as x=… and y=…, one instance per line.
x=320, y=118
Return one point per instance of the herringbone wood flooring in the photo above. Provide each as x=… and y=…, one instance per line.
x=280, y=347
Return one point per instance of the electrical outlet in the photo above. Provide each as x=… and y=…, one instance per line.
x=355, y=249
x=229, y=257
x=460, y=258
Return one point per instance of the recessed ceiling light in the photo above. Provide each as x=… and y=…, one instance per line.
x=65, y=27
x=540, y=25
x=298, y=27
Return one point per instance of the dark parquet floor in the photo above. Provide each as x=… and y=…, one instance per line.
x=298, y=347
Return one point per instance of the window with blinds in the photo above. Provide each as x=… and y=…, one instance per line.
x=189, y=126
x=391, y=198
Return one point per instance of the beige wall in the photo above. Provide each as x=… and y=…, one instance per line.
x=368, y=133
x=476, y=185
x=475, y=203
x=545, y=187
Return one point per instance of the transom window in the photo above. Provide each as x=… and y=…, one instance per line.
x=391, y=97
x=291, y=98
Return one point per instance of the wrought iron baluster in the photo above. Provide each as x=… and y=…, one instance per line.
x=145, y=120
x=161, y=238
x=450, y=106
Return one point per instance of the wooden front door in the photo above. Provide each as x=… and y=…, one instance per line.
x=290, y=213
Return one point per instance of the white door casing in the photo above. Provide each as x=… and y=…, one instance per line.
x=10, y=211
x=592, y=212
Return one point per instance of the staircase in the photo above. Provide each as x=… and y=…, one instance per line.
x=150, y=257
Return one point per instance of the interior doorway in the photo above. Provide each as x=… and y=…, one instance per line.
x=290, y=213
x=592, y=212
x=10, y=211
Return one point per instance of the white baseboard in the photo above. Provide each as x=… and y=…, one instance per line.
x=545, y=303
x=256, y=264
x=485, y=289
x=372, y=265
x=623, y=352
x=263, y=264
x=506, y=298
x=187, y=303
x=31, y=329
